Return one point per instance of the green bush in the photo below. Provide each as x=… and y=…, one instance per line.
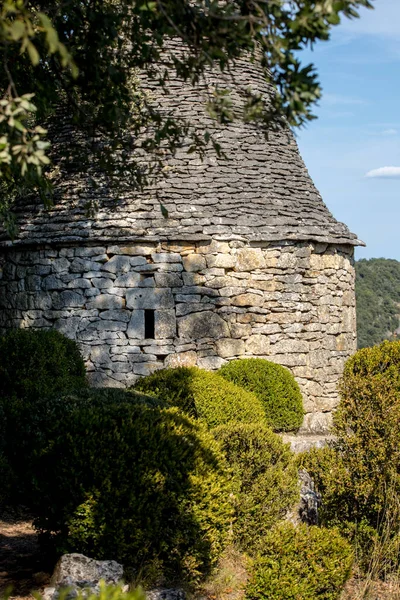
x=33, y=366
x=332, y=479
x=134, y=481
x=300, y=563
x=106, y=592
x=265, y=479
x=359, y=476
x=274, y=385
x=204, y=395
x=367, y=425
x=36, y=364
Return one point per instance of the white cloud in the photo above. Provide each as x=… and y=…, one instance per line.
x=386, y=172
x=390, y=132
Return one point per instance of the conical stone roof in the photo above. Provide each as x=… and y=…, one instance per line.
x=260, y=191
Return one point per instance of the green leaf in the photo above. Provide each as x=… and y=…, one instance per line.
x=33, y=54
x=164, y=210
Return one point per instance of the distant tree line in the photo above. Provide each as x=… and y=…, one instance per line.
x=378, y=300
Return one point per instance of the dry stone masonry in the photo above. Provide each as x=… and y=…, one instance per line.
x=137, y=308
x=248, y=261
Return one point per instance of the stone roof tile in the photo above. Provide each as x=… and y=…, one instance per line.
x=261, y=192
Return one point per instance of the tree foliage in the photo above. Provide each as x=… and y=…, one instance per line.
x=378, y=298
x=87, y=52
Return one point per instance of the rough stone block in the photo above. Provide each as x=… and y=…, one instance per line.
x=68, y=327
x=90, y=251
x=69, y=299
x=131, y=250
x=205, y=324
x=128, y=280
x=116, y=315
x=166, y=257
x=119, y=264
x=249, y=259
x=60, y=265
x=248, y=299
x=257, y=345
x=146, y=368
x=79, y=265
x=52, y=282
x=210, y=363
x=165, y=324
x=79, y=283
x=181, y=359
x=149, y=298
x=102, y=283
x=136, y=325
x=194, y=262
x=168, y=280
x=228, y=347
x=225, y=261
x=106, y=302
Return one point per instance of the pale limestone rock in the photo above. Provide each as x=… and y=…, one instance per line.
x=135, y=250
x=249, y=259
x=194, y=262
x=210, y=363
x=149, y=298
x=202, y=325
x=226, y=261
x=181, y=359
x=248, y=299
x=228, y=347
x=82, y=574
x=258, y=345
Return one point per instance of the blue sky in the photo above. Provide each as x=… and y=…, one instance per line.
x=353, y=150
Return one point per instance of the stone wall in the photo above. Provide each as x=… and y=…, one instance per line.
x=137, y=308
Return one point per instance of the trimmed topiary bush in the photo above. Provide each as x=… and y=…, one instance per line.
x=136, y=482
x=265, y=478
x=274, y=385
x=301, y=563
x=204, y=395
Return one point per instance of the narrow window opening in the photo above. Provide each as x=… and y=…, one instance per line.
x=149, y=324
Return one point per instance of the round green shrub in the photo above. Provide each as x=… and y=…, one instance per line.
x=38, y=363
x=265, y=479
x=204, y=395
x=274, y=385
x=133, y=481
x=300, y=562
x=34, y=365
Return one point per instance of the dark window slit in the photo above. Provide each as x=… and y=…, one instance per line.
x=149, y=324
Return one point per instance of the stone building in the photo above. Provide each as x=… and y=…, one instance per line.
x=249, y=262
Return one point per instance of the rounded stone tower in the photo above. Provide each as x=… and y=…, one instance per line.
x=249, y=262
